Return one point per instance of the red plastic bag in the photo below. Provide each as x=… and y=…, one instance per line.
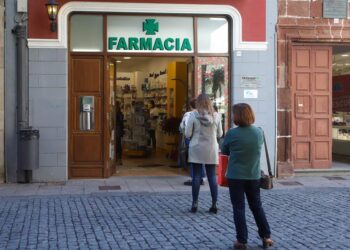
x=223, y=162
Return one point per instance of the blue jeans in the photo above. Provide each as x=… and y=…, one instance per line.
x=196, y=180
x=202, y=171
x=251, y=188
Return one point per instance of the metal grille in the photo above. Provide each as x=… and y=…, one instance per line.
x=106, y=188
x=334, y=178
x=291, y=183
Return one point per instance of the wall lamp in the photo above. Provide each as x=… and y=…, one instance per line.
x=52, y=10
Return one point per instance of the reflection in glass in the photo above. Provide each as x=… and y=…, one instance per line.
x=212, y=79
x=86, y=33
x=212, y=35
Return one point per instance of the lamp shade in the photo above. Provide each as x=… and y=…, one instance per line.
x=52, y=9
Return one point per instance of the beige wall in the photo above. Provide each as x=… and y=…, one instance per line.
x=2, y=18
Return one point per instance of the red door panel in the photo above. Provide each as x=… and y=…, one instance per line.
x=312, y=101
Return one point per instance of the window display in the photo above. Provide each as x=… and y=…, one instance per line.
x=341, y=126
x=341, y=133
x=213, y=77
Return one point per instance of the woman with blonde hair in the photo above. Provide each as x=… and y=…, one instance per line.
x=243, y=145
x=204, y=127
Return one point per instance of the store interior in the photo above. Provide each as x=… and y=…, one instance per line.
x=151, y=93
x=341, y=107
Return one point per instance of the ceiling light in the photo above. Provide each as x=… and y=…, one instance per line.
x=127, y=57
x=345, y=55
x=119, y=61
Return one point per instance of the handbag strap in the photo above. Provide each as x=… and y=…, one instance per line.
x=267, y=154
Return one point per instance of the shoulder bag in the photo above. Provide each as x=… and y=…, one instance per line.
x=183, y=150
x=266, y=180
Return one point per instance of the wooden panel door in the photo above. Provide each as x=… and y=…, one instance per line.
x=312, y=102
x=86, y=131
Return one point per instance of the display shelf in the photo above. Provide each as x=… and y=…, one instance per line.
x=341, y=133
x=340, y=126
x=154, y=89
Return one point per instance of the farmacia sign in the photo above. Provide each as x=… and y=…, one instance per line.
x=150, y=40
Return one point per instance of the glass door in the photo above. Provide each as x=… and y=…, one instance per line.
x=212, y=79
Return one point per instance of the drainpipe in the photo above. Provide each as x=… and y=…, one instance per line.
x=28, y=139
x=22, y=77
x=23, y=176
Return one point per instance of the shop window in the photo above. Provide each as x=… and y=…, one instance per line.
x=86, y=34
x=212, y=78
x=212, y=35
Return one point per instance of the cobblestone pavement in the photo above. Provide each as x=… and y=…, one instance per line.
x=303, y=218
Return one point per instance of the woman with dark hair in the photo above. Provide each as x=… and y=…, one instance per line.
x=119, y=133
x=153, y=113
x=243, y=145
x=203, y=127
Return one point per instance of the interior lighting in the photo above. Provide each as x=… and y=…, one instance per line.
x=345, y=55
x=52, y=10
x=119, y=61
x=127, y=57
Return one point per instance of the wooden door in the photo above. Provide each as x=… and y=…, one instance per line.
x=86, y=131
x=312, y=101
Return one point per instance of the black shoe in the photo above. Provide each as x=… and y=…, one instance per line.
x=239, y=245
x=188, y=183
x=194, y=207
x=202, y=182
x=213, y=209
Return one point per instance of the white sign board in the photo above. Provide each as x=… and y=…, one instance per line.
x=250, y=93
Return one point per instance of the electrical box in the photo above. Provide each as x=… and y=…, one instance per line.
x=22, y=6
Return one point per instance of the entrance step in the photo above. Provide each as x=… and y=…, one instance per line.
x=322, y=172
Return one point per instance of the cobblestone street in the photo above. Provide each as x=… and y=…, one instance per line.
x=301, y=218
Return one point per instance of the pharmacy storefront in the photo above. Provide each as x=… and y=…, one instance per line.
x=133, y=58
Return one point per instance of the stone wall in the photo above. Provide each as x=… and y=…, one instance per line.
x=298, y=21
x=2, y=19
x=48, y=111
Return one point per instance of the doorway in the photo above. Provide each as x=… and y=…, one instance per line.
x=150, y=96
x=321, y=104
x=341, y=107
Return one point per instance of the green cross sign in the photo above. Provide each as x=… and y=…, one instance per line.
x=150, y=26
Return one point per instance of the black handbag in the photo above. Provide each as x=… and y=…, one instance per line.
x=266, y=181
x=183, y=153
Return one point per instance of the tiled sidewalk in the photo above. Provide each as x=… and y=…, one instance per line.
x=148, y=184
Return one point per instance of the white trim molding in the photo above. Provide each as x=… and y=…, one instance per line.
x=146, y=8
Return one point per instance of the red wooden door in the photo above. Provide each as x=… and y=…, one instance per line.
x=311, y=103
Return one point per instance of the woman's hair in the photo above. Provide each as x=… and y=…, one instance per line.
x=243, y=114
x=193, y=103
x=204, y=104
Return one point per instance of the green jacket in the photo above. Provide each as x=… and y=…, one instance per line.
x=243, y=145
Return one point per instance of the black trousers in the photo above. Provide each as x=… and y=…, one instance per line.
x=152, y=134
x=251, y=189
